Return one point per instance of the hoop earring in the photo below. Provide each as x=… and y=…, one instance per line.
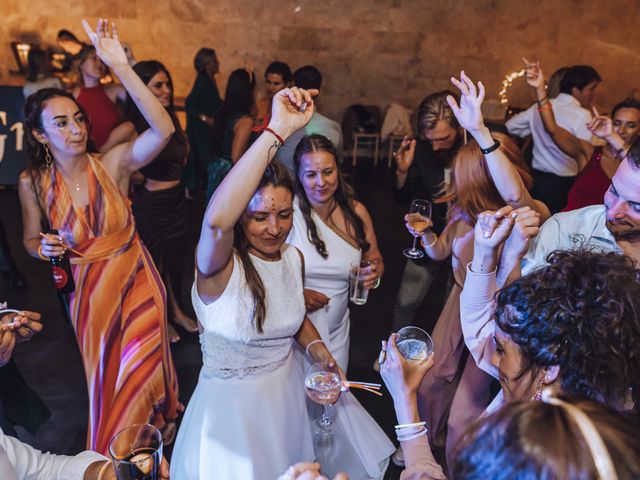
x=48, y=160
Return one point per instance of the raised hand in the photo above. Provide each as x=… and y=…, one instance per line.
x=534, y=74
x=469, y=113
x=527, y=226
x=402, y=377
x=405, y=154
x=107, y=43
x=286, y=114
x=493, y=228
x=601, y=126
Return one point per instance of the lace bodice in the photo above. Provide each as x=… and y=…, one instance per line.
x=231, y=344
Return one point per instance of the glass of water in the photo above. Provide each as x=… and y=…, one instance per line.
x=414, y=343
x=358, y=294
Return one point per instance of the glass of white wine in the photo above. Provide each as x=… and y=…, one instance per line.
x=418, y=218
x=323, y=385
x=414, y=343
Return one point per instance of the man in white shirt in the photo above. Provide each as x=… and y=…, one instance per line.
x=612, y=227
x=309, y=77
x=19, y=461
x=553, y=171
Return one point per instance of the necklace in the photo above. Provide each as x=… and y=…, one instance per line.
x=327, y=218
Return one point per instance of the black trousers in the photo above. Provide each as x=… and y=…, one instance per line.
x=551, y=189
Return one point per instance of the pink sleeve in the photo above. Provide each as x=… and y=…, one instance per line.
x=476, y=309
x=419, y=461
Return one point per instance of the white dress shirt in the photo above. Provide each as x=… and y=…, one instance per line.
x=569, y=230
x=19, y=461
x=547, y=157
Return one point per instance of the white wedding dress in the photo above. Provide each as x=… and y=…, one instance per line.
x=247, y=418
x=360, y=448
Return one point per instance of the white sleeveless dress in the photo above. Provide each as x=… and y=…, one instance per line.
x=247, y=418
x=361, y=447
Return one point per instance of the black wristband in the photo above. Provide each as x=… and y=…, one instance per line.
x=492, y=148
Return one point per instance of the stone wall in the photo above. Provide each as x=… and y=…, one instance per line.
x=370, y=51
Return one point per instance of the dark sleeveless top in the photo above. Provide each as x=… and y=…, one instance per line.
x=167, y=165
x=102, y=113
x=224, y=151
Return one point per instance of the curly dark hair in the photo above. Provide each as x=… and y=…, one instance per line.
x=582, y=313
x=345, y=196
x=537, y=440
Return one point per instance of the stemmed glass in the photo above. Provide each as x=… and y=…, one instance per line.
x=323, y=385
x=418, y=218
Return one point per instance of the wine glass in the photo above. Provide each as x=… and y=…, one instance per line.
x=419, y=215
x=323, y=385
x=414, y=343
x=136, y=452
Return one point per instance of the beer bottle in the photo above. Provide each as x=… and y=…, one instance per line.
x=61, y=269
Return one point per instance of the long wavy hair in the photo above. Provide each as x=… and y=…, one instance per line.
x=36, y=151
x=344, y=195
x=146, y=70
x=581, y=312
x=276, y=175
x=238, y=101
x=471, y=189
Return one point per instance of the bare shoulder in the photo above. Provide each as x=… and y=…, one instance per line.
x=25, y=180
x=361, y=210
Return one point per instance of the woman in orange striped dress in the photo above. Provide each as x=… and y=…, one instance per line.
x=118, y=308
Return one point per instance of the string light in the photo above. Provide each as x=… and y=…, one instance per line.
x=506, y=83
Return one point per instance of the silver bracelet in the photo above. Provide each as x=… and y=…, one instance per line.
x=317, y=340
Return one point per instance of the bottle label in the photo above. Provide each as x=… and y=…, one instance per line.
x=60, y=277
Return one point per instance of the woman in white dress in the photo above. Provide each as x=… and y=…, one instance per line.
x=247, y=418
x=332, y=230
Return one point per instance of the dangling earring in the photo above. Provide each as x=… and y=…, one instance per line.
x=48, y=160
x=538, y=395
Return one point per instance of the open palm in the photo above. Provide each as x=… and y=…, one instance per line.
x=107, y=43
x=469, y=113
x=601, y=126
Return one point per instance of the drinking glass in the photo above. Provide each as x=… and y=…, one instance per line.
x=414, y=343
x=136, y=452
x=323, y=385
x=358, y=294
x=419, y=215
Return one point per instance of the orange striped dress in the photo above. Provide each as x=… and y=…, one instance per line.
x=118, y=309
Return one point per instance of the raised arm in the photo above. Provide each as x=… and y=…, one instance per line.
x=505, y=177
x=571, y=145
x=131, y=156
x=230, y=199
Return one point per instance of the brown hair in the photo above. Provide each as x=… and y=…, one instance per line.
x=275, y=175
x=471, y=189
x=433, y=108
x=541, y=440
x=344, y=195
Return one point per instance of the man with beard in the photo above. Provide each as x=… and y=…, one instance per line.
x=423, y=168
x=612, y=227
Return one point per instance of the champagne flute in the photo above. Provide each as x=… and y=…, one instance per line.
x=419, y=215
x=136, y=452
x=323, y=385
